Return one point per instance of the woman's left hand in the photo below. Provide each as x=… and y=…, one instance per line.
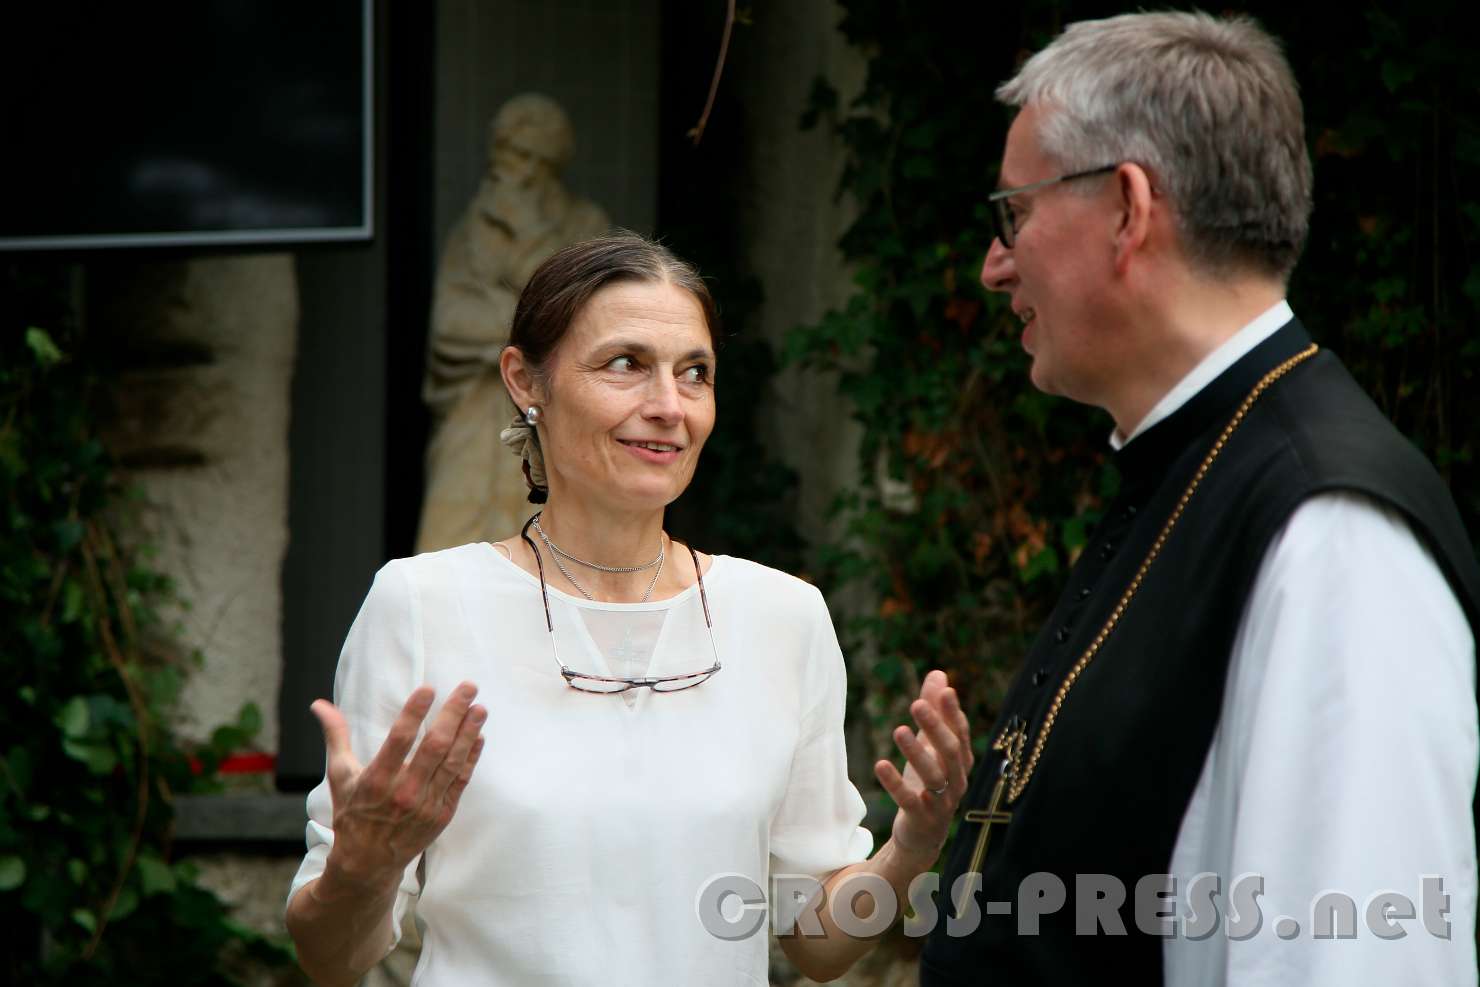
x=938, y=763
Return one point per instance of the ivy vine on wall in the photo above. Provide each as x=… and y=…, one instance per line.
x=89, y=890
x=975, y=491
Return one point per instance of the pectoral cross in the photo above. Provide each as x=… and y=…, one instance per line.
x=1010, y=742
x=991, y=816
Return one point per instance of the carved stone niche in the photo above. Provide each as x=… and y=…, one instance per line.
x=204, y=350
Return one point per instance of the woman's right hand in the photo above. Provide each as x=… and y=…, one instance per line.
x=387, y=812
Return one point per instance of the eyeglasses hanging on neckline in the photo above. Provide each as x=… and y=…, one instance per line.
x=610, y=685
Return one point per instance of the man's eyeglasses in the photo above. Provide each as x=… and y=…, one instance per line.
x=608, y=684
x=1003, y=220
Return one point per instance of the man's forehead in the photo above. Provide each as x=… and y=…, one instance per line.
x=1022, y=158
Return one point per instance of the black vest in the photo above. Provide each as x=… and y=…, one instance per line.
x=1129, y=742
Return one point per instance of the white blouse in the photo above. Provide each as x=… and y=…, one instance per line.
x=593, y=822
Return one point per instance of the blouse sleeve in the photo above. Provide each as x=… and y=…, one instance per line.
x=381, y=664
x=816, y=829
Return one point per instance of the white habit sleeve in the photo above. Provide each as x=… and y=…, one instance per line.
x=1345, y=759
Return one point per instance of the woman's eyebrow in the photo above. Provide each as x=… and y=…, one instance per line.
x=646, y=350
x=630, y=345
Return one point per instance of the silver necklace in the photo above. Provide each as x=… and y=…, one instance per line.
x=562, y=553
x=556, y=554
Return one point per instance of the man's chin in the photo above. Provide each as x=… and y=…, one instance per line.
x=1039, y=375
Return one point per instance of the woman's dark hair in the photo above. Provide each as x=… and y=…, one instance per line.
x=564, y=283
x=560, y=288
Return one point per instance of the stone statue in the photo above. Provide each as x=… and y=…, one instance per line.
x=521, y=214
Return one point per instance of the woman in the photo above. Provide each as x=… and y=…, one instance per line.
x=654, y=718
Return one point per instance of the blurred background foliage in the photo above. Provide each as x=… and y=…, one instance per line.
x=90, y=890
x=975, y=491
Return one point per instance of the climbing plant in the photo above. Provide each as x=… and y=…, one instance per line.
x=90, y=890
x=975, y=491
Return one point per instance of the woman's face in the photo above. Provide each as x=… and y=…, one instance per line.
x=630, y=398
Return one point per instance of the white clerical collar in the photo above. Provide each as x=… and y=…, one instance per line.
x=1226, y=355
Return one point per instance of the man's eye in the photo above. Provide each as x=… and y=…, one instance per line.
x=621, y=363
x=697, y=374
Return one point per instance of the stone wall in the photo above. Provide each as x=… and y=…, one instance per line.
x=207, y=351
x=791, y=225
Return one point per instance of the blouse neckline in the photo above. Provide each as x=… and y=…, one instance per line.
x=581, y=601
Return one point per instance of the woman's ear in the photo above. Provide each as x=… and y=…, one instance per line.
x=518, y=380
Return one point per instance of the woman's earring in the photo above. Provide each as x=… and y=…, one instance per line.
x=532, y=414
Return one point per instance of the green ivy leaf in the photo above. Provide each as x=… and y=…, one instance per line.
x=128, y=901
x=12, y=872
x=155, y=876
x=11, y=458
x=74, y=718
x=1395, y=75
x=225, y=739
x=72, y=601
x=1074, y=533
x=18, y=764
x=163, y=685
x=100, y=759
x=1044, y=563
x=85, y=918
x=68, y=534
x=45, y=351
x=249, y=720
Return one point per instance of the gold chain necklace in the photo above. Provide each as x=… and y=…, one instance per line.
x=1010, y=739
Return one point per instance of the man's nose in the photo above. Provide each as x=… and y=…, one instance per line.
x=998, y=272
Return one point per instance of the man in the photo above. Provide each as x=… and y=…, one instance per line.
x=521, y=214
x=1263, y=664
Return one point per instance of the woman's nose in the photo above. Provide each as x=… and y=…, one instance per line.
x=663, y=404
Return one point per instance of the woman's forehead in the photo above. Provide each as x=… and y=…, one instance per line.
x=661, y=314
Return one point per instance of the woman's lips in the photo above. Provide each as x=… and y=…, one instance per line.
x=651, y=455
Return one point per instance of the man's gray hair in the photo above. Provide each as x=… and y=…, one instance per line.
x=1207, y=105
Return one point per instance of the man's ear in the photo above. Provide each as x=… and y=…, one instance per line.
x=1136, y=200
x=518, y=380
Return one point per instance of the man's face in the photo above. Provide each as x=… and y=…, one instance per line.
x=1059, y=269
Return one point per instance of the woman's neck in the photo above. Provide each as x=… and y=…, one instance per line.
x=607, y=538
x=604, y=537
